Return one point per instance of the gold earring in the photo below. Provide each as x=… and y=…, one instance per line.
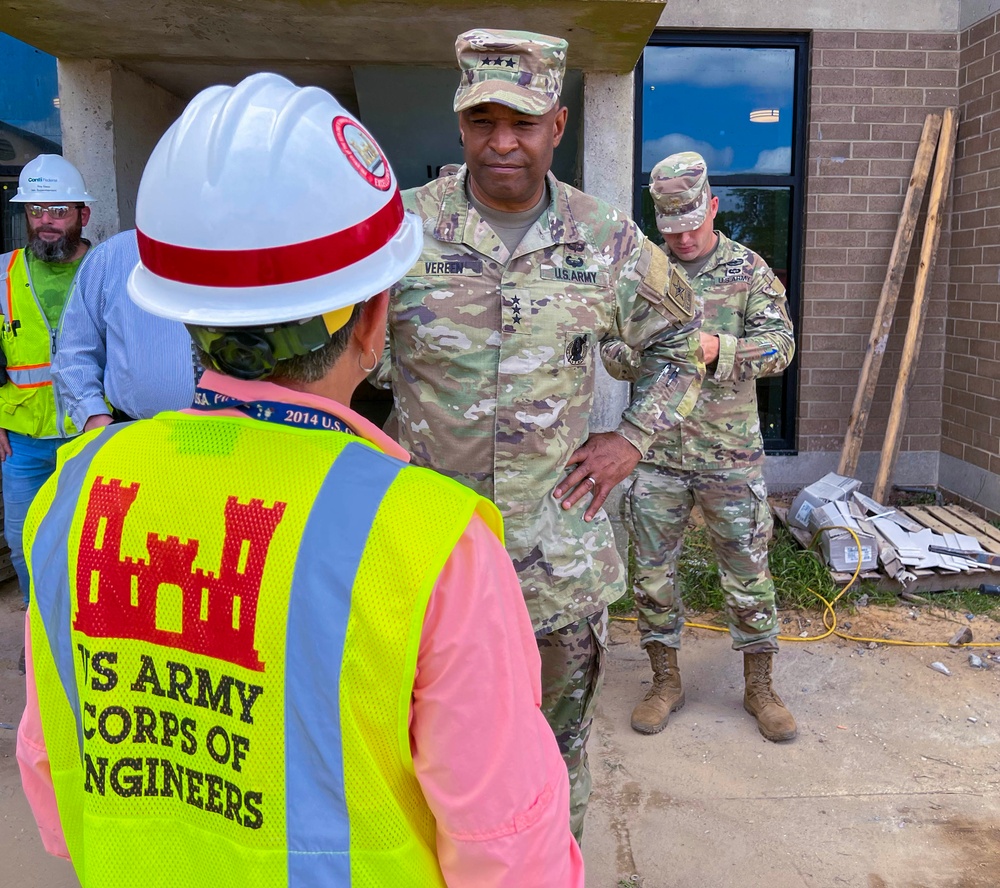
x=374, y=362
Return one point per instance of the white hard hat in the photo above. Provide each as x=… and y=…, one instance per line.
x=265, y=203
x=50, y=178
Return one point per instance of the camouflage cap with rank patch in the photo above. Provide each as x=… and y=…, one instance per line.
x=679, y=188
x=519, y=69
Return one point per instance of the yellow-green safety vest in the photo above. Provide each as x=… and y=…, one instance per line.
x=29, y=403
x=225, y=625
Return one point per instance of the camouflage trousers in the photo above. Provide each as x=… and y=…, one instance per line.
x=573, y=661
x=738, y=519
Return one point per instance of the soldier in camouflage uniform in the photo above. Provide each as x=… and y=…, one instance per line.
x=715, y=458
x=493, y=337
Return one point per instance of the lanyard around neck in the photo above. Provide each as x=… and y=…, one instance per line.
x=296, y=415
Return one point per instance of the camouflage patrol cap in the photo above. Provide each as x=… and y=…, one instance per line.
x=679, y=188
x=515, y=68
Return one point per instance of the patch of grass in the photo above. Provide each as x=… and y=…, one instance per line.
x=798, y=576
x=698, y=572
x=966, y=601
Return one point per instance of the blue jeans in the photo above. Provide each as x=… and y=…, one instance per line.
x=28, y=467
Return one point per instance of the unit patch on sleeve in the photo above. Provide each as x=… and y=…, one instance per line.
x=663, y=284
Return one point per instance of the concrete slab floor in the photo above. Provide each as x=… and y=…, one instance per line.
x=890, y=784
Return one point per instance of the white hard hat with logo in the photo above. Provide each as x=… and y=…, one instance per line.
x=50, y=178
x=265, y=203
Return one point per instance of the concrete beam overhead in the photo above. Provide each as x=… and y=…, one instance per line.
x=604, y=35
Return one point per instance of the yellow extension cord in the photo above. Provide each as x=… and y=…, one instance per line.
x=830, y=614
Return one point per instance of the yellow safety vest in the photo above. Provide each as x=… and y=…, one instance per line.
x=225, y=645
x=29, y=403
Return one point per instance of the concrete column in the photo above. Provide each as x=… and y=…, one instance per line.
x=608, y=134
x=111, y=121
x=86, y=111
x=142, y=113
x=608, y=139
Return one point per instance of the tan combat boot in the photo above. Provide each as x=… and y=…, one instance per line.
x=774, y=721
x=665, y=696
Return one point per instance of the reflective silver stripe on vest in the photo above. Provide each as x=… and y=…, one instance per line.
x=317, y=821
x=33, y=377
x=4, y=274
x=49, y=560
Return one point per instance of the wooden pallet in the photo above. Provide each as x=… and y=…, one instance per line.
x=955, y=519
x=940, y=519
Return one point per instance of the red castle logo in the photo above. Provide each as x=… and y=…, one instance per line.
x=117, y=597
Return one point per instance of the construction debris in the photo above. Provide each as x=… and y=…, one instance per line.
x=830, y=488
x=963, y=636
x=914, y=548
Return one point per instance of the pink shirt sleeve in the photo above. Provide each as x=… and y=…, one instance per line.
x=485, y=757
x=34, y=763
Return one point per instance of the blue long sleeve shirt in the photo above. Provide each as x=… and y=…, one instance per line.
x=109, y=347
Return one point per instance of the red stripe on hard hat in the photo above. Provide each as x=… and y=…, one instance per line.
x=268, y=266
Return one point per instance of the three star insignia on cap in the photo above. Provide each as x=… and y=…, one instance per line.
x=499, y=61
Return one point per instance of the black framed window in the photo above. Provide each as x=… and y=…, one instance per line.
x=739, y=100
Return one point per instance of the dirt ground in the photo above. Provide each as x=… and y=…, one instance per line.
x=905, y=622
x=24, y=861
x=893, y=781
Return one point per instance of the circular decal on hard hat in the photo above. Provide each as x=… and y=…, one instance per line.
x=360, y=149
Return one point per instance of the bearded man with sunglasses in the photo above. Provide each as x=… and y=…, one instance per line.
x=37, y=281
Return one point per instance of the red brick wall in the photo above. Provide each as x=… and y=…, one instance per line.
x=869, y=95
x=971, y=393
